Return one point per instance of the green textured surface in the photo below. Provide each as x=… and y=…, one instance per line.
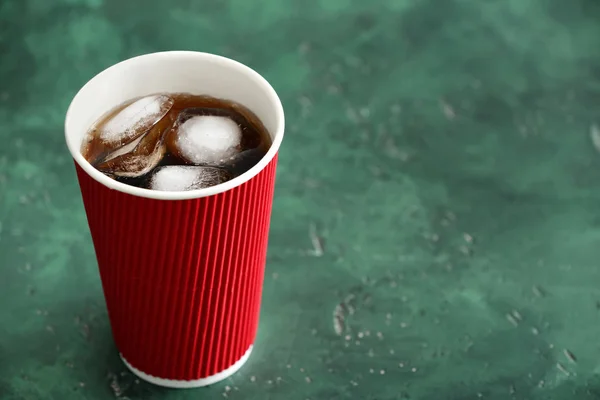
x=442, y=150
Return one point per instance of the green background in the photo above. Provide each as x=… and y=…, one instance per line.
x=441, y=150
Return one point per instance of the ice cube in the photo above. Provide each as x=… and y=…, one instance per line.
x=120, y=130
x=243, y=161
x=135, y=163
x=146, y=155
x=125, y=149
x=177, y=178
x=205, y=139
x=135, y=120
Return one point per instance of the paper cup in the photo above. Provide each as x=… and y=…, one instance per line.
x=182, y=272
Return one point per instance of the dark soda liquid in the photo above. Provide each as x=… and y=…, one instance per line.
x=254, y=143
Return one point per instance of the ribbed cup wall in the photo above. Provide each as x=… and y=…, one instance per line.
x=182, y=278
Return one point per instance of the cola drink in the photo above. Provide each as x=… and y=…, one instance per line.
x=182, y=270
x=176, y=142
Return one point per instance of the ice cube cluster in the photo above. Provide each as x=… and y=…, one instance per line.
x=134, y=141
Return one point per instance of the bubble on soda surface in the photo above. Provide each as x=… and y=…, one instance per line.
x=135, y=119
x=206, y=139
x=179, y=178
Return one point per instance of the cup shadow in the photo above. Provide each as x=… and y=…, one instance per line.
x=70, y=355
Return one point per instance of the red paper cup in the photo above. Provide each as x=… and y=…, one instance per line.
x=182, y=272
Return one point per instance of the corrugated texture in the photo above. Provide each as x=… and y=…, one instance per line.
x=182, y=279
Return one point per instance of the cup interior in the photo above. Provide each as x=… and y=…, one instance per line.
x=172, y=72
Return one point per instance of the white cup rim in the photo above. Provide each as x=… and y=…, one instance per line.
x=277, y=134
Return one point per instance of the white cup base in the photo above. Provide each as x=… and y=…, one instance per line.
x=183, y=384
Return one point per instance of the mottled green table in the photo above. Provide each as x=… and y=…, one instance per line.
x=445, y=154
